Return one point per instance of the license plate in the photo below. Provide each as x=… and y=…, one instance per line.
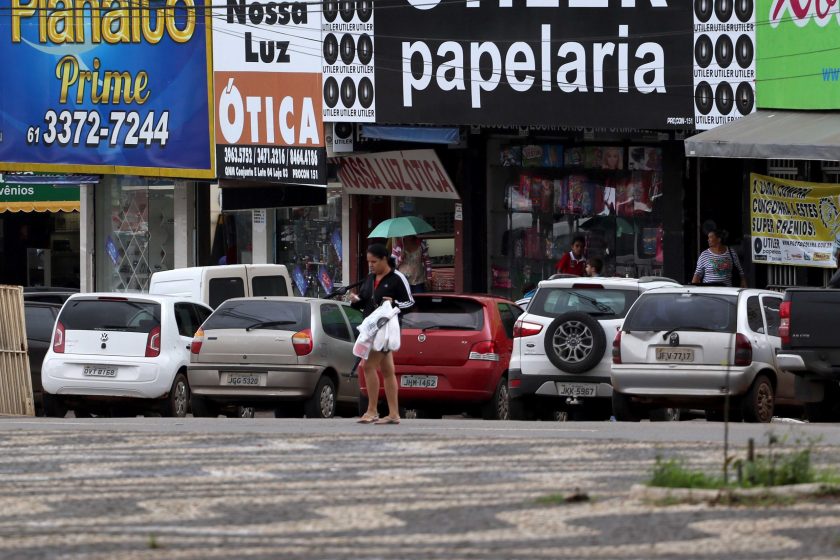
x=99, y=371
x=576, y=389
x=422, y=381
x=244, y=379
x=674, y=354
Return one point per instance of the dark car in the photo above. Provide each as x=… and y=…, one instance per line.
x=40, y=319
x=48, y=294
x=454, y=355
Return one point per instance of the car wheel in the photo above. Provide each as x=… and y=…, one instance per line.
x=759, y=402
x=177, y=403
x=322, y=402
x=624, y=409
x=203, y=408
x=665, y=415
x=575, y=342
x=499, y=406
x=517, y=409
x=53, y=406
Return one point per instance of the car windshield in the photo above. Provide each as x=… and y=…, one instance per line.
x=445, y=313
x=683, y=311
x=609, y=303
x=260, y=315
x=110, y=315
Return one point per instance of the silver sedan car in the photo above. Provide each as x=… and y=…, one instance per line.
x=293, y=355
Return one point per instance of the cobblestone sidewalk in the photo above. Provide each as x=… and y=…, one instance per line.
x=107, y=495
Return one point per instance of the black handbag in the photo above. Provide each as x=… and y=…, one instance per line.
x=736, y=272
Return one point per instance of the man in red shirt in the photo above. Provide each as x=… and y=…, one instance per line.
x=573, y=261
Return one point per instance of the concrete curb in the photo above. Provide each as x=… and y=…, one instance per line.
x=697, y=495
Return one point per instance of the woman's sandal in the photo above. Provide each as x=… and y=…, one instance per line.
x=367, y=418
x=388, y=420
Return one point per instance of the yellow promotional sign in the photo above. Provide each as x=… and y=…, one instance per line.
x=794, y=222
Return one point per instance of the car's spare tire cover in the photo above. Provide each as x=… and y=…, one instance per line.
x=575, y=342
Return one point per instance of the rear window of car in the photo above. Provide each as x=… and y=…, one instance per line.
x=605, y=303
x=269, y=286
x=260, y=314
x=445, y=313
x=110, y=315
x=685, y=311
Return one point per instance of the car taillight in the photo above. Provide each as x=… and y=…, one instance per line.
x=784, y=325
x=198, y=340
x=523, y=328
x=58, y=338
x=743, y=350
x=616, y=349
x=485, y=350
x=153, y=343
x=302, y=342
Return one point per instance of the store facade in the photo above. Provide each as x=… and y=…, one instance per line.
x=40, y=230
x=142, y=125
x=788, y=146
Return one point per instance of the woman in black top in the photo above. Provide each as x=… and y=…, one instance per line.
x=383, y=283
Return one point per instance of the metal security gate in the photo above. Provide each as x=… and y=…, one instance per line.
x=15, y=380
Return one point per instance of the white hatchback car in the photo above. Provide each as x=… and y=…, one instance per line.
x=121, y=354
x=561, y=359
x=687, y=347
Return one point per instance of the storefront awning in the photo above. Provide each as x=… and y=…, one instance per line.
x=813, y=135
x=417, y=173
x=21, y=197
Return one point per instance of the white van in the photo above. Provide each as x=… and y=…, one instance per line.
x=213, y=285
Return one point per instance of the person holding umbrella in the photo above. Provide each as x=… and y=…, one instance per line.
x=411, y=255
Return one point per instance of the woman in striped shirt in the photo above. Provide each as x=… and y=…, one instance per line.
x=715, y=264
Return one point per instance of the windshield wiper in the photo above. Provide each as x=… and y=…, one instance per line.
x=602, y=307
x=445, y=327
x=688, y=328
x=269, y=324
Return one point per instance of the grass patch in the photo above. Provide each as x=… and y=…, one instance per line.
x=774, y=468
x=153, y=543
x=672, y=473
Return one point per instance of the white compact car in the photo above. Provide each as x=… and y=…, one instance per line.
x=121, y=354
x=687, y=347
x=561, y=359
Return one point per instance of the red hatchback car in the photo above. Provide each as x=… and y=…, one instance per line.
x=454, y=356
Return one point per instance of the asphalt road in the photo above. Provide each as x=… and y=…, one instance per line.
x=265, y=488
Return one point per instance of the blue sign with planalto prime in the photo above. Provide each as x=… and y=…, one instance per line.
x=106, y=86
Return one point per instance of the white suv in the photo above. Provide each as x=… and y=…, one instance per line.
x=687, y=347
x=120, y=354
x=560, y=358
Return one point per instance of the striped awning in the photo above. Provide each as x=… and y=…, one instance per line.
x=22, y=197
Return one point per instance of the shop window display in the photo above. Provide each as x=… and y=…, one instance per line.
x=543, y=195
x=309, y=244
x=136, y=221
